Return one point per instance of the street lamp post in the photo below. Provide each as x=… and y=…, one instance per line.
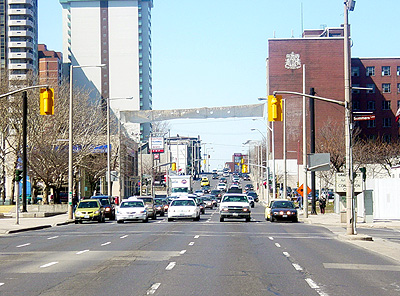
x=261, y=155
x=70, y=136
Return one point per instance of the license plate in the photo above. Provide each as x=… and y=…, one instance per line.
x=86, y=216
x=182, y=214
x=235, y=214
x=284, y=216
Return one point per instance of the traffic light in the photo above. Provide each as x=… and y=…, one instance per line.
x=244, y=169
x=173, y=166
x=275, y=108
x=46, y=101
x=18, y=175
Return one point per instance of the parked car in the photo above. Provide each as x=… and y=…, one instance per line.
x=149, y=204
x=132, y=210
x=281, y=209
x=183, y=208
x=108, y=204
x=159, y=204
x=234, y=206
x=254, y=195
x=89, y=210
x=251, y=200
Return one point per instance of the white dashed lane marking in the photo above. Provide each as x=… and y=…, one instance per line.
x=297, y=267
x=124, y=236
x=182, y=252
x=1, y=284
x=105, y=244
x=196, y=236
x=81, y=252
x=24, y=245
x=53, y=237
x=153, y=289
x=286, y=254
x=170, y=266
x=48, y=264
x=191, y=243
x=277, y=245
x=271, y=238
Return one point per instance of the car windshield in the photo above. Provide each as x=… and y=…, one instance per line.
x=252, y=194
x=88, y=204
x=235, y=199
x=104, y=201
x=132, y=204
x=177, y=190
x=158, y=202
x=283, y=204
x=147, y=199
x=183, y=203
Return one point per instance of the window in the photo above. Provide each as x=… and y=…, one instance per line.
x=371, y=123
x=387, y=122
x=371, y=85
x=398, y=104
x=372, y=137
x=387, y=138
x=398, y=70
x=385, y=70
x=355, y=71
x=398, y=87
x=386, y=87
x=355, y=91
x=371, y=105
x=385, y=105
x=370, y=71
x=356, y=105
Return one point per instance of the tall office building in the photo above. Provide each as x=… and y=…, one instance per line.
x=116, y=33
x=18, y=37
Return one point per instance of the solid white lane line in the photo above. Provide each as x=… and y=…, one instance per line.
x=277, y=245
x=124, y=236
x=286, y=254
x=191, y=243
x=1, y=284
x=196, y=236
x=160, y=221
x=81, y=252
x=53, y=237
x=153, y=289
x=24, y=245
x=48, y=264
x=182, y=252
x=170, y=266
x=105, y=244
x=312, y=284
x=271, y=238
x=297, y=267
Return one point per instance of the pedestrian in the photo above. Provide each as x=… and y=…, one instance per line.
x=300, y=201
x=322, y=204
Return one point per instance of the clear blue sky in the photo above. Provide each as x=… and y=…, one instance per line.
x=210, y=53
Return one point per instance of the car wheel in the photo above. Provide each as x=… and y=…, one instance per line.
x=146, y=220
x=272, y=219
x=120, y=221
x=252, y=205
x=221, y=219
x=76, y=221
x=170, y=219
x=295, y=220
x=112, y=217
x=154, y=216
x=248, y=219
x=162, y=214
x=197, y=218
x=266, y=218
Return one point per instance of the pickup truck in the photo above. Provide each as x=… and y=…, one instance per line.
x=234, y=206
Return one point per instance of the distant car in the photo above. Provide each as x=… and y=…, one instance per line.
x=208, y=201
x=254, y=195
x=206, y=189
x=200, y=203
x=149, y=204
x=108, y=205
x=221, y=186
x=217, y=193
x=183, y=208
x=234, y=189
x=251, y=200
x=236, y=179
x=204, y=182
x=159, y=204
x=132, y=210
x=199, y=192
x=215, y=176
x=281, y=209
x=223, y=180
x=248, y=187
x=234, y=206
x=246, y=177
x=89, y=210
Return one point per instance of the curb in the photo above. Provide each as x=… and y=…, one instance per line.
x=353, y=237
x=28, y=229
x=64, y=223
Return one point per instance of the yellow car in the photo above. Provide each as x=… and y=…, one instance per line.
x=89, y=210
x=204, y=182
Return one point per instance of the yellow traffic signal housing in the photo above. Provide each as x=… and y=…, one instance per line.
x=275, y=108
x=46, y=101
x=245, y=169
x=173, y=166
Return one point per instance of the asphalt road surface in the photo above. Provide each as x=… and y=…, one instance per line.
x=191, y=258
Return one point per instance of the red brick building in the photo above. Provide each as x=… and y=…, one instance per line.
x=50, y=66
x=321, y=52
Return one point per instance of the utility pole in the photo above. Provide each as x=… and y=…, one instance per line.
x=312, y=150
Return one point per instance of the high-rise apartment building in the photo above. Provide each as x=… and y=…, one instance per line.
x=18, y=37
x=116, y=33
x=50, y=66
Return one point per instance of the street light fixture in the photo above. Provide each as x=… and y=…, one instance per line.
x=70, y=135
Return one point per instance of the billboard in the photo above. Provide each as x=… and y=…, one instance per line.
x=156, y=144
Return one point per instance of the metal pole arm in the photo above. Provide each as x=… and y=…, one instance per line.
x=341, y=103
x=22, y=89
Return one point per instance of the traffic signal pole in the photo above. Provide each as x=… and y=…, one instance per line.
x=24, y=144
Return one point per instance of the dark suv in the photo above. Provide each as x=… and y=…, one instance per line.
x=108, y=205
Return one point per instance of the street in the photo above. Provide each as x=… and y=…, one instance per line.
x=191, y=258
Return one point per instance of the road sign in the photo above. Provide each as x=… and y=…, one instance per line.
x=341, y=182
x=300, y=190
x=364, y=117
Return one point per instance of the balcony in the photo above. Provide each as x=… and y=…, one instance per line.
x=20, y=66
x=26, y=23
x=17, y=76
x=20, y=55
x=20, y=44
x=22, y=33
x=21, y=2
x=20, y=11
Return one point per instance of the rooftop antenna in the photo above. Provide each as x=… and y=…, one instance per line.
x=302, y=21
x=274, y=34
x=292, y=34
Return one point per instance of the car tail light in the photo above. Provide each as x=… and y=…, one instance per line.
x=288, y=212
x=281, y=213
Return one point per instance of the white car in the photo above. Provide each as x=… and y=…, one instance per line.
x=221, y=186
x=234, y=206
x=183, y=208
x=132, y=210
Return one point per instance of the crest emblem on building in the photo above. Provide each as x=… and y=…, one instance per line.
x=292, y=61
